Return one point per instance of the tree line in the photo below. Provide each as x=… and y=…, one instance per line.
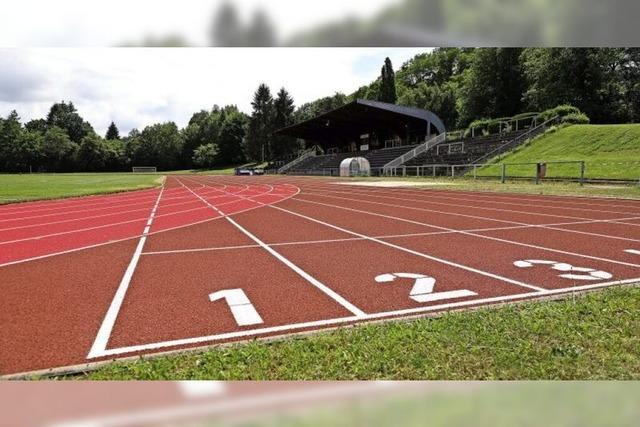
x=462, y=85
x=222, y=136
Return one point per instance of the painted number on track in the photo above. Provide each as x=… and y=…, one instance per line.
x=423, y=286
x=569, y=271
x=632, y=251
x=243, y=311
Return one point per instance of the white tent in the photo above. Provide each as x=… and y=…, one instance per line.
x=355, y=166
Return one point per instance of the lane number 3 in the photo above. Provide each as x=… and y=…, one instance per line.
x=568, y=270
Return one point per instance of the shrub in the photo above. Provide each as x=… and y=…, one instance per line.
x=576, y=119
x=560, y=111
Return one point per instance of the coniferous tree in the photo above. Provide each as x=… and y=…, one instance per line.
x=260, y=130
x=387, y=91
x=112, y=132
x=283, y=116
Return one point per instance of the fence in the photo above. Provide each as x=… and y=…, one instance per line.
x=570, y=170
x=561, y=170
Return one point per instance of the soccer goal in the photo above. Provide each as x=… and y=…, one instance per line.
x=143, y=169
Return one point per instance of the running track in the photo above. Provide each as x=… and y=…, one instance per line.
x=208, y=260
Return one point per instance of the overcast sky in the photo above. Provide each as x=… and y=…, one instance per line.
x=138, y=87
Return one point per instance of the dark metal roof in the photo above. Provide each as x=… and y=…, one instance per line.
x=357, y=116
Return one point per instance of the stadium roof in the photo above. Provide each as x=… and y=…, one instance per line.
x=360, y=116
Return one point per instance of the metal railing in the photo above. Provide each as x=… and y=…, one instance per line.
x=531, y=133
x=311, y=152
x=422, y=148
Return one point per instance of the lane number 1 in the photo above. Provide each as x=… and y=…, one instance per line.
x=243, y=311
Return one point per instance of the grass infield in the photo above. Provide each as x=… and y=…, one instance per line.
x=17, y=188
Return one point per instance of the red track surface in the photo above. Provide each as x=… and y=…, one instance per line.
x=96, y=278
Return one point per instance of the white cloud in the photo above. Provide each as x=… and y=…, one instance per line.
x=137, y=87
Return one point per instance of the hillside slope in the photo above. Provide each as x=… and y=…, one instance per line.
x=610, y=151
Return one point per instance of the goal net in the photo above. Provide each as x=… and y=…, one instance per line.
x=143, y=169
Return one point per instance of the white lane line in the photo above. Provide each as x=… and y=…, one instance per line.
x=373, y=316
x=613, y=220
x=146, y=204
x=547, y=226
x=632, y=251
x=111, y=242
x=102, y=338
x=429, y=197
x=321, y=286
x=482, y=236
x=554, y=199
x=114, y=224
x=411, y=251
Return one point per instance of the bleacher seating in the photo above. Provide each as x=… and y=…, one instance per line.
x=325, y=164
x=474, y=148
x=379, y=158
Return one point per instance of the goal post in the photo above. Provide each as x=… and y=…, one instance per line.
x=144, y=169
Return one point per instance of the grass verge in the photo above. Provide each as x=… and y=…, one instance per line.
x=16, y=188
x=591, y=336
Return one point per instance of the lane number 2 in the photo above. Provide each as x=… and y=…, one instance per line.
x=568, y=270
x=243, y=311
x=423, y=286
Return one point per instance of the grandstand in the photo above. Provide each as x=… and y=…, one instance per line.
x=356, y=130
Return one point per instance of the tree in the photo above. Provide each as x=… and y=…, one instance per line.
x=260, y=129
x=582, y=77
x=158, y=145
x=66, y=117
x=231, y=137
x=493, y=86
x=36, y=125
x=283, y=116
x=58, y=150
x=93, y=153
x=203, y=128
x=205, y=156
x=10, y=130
x=27, y=154
x=387, y=92
x=112, y=132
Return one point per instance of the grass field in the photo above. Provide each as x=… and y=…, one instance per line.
x=594, y=336
x=610, y=151
x=14, y=188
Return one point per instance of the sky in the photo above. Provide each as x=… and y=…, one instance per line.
x=136, y=87
x=95, y=23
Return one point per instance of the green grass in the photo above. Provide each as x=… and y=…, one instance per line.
x=593, y=336
x=479, y=405
x=610, y=151
x=14, y=188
